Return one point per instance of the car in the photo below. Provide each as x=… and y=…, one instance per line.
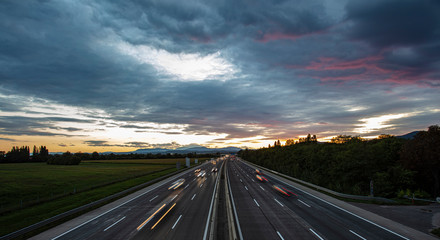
x=283, y=190
x=261, y=178
x=197, y=170
x=201, y=173
x=258, y=172
x=214, y=169
x=176, y=184
x=158, y=213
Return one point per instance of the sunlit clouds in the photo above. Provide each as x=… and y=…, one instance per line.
x=185, y=66
x=123, y=75
x=378, y=123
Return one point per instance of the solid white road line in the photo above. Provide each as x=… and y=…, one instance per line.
x=316, y=234
x=193, y=196
x=358, y=235
x=176, y=222
x=116, y=223
x=304, y=203
x=256, y=202
x=278, y=202
x=154, y=198
x=279, y=234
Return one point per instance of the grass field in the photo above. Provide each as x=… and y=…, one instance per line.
x=31, y=192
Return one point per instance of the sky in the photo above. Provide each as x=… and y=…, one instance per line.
x=89, y=75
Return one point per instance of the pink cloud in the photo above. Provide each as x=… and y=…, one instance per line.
x=370, y=68
x=267, y=37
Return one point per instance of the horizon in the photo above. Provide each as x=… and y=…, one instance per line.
x=116, y=77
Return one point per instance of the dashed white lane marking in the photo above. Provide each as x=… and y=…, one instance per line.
x=316, y=234
x=304, y=203
x=358, y=235
x=176, y=222
x=193, y=196
x=154, y=198
x=279, y=234
x=246, y=188
x=261, y=188
x=278, y=202
x=116, y=223
x=186, y=186
x=174, y=197
x=256, y=202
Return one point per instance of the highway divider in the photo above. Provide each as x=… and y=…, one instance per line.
x=322, y=189
x=233, y=222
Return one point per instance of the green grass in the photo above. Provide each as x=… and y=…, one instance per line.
x=54, y=186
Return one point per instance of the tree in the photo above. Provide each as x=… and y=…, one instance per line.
x=18, y=154
x=422, y=155
x=290, y=142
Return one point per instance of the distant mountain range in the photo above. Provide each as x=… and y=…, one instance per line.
x=196, y=149
x=408, y=135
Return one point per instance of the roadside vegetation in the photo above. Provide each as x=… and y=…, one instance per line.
x=32, y=192
x=396, y=167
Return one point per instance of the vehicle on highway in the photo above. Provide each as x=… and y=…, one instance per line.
x=258, y=172
x=197, y=170
x=261, y=178
x=283, y=190
x=176, y=184
x=214, y=169
x=201, y=173
x=158, y=213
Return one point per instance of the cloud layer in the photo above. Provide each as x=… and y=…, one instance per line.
x=223, y=72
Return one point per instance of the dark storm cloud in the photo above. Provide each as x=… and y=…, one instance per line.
x=395, y=22
x=32, y=126
x=99, y=143
x=96, y=143
x=406, y=32
x=296, y=66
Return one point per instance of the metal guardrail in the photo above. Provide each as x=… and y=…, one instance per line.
x=88, y=206
x=326, y=190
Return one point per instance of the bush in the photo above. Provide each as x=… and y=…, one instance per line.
x=65, y=159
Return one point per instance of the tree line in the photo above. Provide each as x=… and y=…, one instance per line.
x=41, y=154
x=347, y=164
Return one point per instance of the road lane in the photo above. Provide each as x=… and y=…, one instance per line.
x=122, y=221
x=260, y=215
x=327, y=221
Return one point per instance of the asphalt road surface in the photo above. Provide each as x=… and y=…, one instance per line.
x=180, y=208
x=266, y=213
x=159, y=213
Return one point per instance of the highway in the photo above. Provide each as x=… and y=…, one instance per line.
x=185, y=212
x=266, y=213
x=181, y=206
